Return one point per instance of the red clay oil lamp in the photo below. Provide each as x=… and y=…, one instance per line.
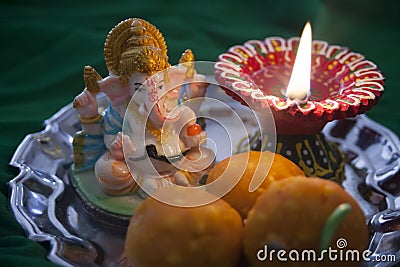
x=306, y=84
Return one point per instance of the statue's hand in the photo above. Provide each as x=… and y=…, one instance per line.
x=198, y=87
x=116, y=147
x=86, y=105
x=193, y=140
x=190, y=133
x=128, y=145
x=120, y=144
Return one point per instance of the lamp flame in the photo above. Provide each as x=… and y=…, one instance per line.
x=298, y=88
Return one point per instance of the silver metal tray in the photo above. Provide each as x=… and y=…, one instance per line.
x=47, y=207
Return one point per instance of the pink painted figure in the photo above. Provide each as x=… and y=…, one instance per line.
x=144, y=136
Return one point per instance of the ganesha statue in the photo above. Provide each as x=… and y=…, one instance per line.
x=146, y=138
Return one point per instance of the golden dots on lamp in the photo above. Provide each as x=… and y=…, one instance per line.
x=242, y=53
x=331, y=65
x=277, y=46
x=353, y=58
x=271, y=58
x=281, y=103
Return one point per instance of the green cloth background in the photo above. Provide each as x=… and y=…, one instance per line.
x=45, y=45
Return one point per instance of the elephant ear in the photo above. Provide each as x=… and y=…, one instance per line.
x=112, y=87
